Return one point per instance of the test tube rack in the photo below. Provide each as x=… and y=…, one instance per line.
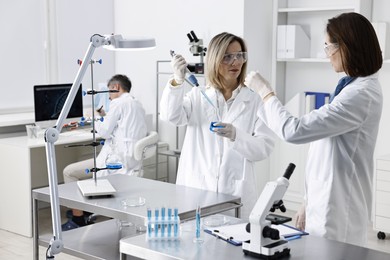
x=162, y=227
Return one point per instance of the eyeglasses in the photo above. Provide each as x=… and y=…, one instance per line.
x=330, y=49
x=229, y=58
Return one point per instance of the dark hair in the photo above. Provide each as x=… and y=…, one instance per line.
x=358, y=44
x=123, y=81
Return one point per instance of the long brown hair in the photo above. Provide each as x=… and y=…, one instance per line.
x=358, y=44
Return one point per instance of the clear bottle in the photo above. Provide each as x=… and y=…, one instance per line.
x=113, y=160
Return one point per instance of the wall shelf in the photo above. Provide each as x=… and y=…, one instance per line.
x=304, y=60
x=316, y=9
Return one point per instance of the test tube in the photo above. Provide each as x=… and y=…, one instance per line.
x=149, y=211
x=176, y=225
x=156, y=223
x=169, y=221
x=162, y=222
x=198, y=222
x=197, y=238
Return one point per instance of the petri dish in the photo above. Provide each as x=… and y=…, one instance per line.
x=133, y=202
x=215, y=221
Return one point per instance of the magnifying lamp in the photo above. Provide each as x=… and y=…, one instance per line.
x=113, y=42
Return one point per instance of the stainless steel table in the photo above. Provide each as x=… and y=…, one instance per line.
x=156, y=193
x=307, y=247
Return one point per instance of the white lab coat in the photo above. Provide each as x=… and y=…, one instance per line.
x=339, y=170
x=124, y=123
x=215, y=163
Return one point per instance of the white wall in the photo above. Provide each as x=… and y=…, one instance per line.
x=380, y=14
x=76, y=21
x=168, y=22
x=42, y=40
x=22, y=53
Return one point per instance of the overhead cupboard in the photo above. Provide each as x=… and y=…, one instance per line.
x=299, y=66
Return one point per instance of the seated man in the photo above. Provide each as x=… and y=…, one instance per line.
x=123, y=125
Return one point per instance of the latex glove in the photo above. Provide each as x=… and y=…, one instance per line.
x=258, y=84
x=300, y=221
x=179, y=66
x=225, y=130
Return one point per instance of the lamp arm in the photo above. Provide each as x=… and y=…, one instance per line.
x=76, y=83
x=51, y=136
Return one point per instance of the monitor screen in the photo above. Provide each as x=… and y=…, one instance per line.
x=49, y=100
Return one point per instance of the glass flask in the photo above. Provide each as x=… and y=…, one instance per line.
x=113, y=160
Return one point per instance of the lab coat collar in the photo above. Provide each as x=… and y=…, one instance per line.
x=239, y=104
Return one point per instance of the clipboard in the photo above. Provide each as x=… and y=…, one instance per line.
x=288, y=231
x=223, y=236
x=236, y=234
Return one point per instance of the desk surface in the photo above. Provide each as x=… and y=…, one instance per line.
x=66, y=137
x=156, y=194
x=307, y=247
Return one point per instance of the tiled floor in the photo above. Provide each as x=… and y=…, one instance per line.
x=13, y=246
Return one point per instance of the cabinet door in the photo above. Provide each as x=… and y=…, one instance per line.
x=382, y=194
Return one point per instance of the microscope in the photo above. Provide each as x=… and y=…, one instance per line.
x=265, y=242
x=196, y=49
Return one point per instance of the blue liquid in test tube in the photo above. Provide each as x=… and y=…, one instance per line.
x=149, y=211
x=169, y=221
x=176, y=225
x=156, y=225
x=197, y=217
x=197, y=238
x=162, y=222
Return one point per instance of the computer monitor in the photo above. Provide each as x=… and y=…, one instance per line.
x=49, y=100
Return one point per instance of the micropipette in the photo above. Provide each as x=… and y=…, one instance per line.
x=194, y=81
x=191, y=76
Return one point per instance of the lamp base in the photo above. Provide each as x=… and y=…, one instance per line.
x=102, y=187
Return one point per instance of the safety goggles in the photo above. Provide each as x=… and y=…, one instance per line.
x=330, y=49
x=229, y=58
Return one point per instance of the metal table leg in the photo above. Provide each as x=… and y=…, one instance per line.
x=35, y=230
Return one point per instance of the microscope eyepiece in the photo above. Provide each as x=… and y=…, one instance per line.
x=194, y=36
x=290, y=169
x=190, y=37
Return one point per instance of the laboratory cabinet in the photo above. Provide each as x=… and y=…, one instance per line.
x=382, y=196
x=297, y=66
